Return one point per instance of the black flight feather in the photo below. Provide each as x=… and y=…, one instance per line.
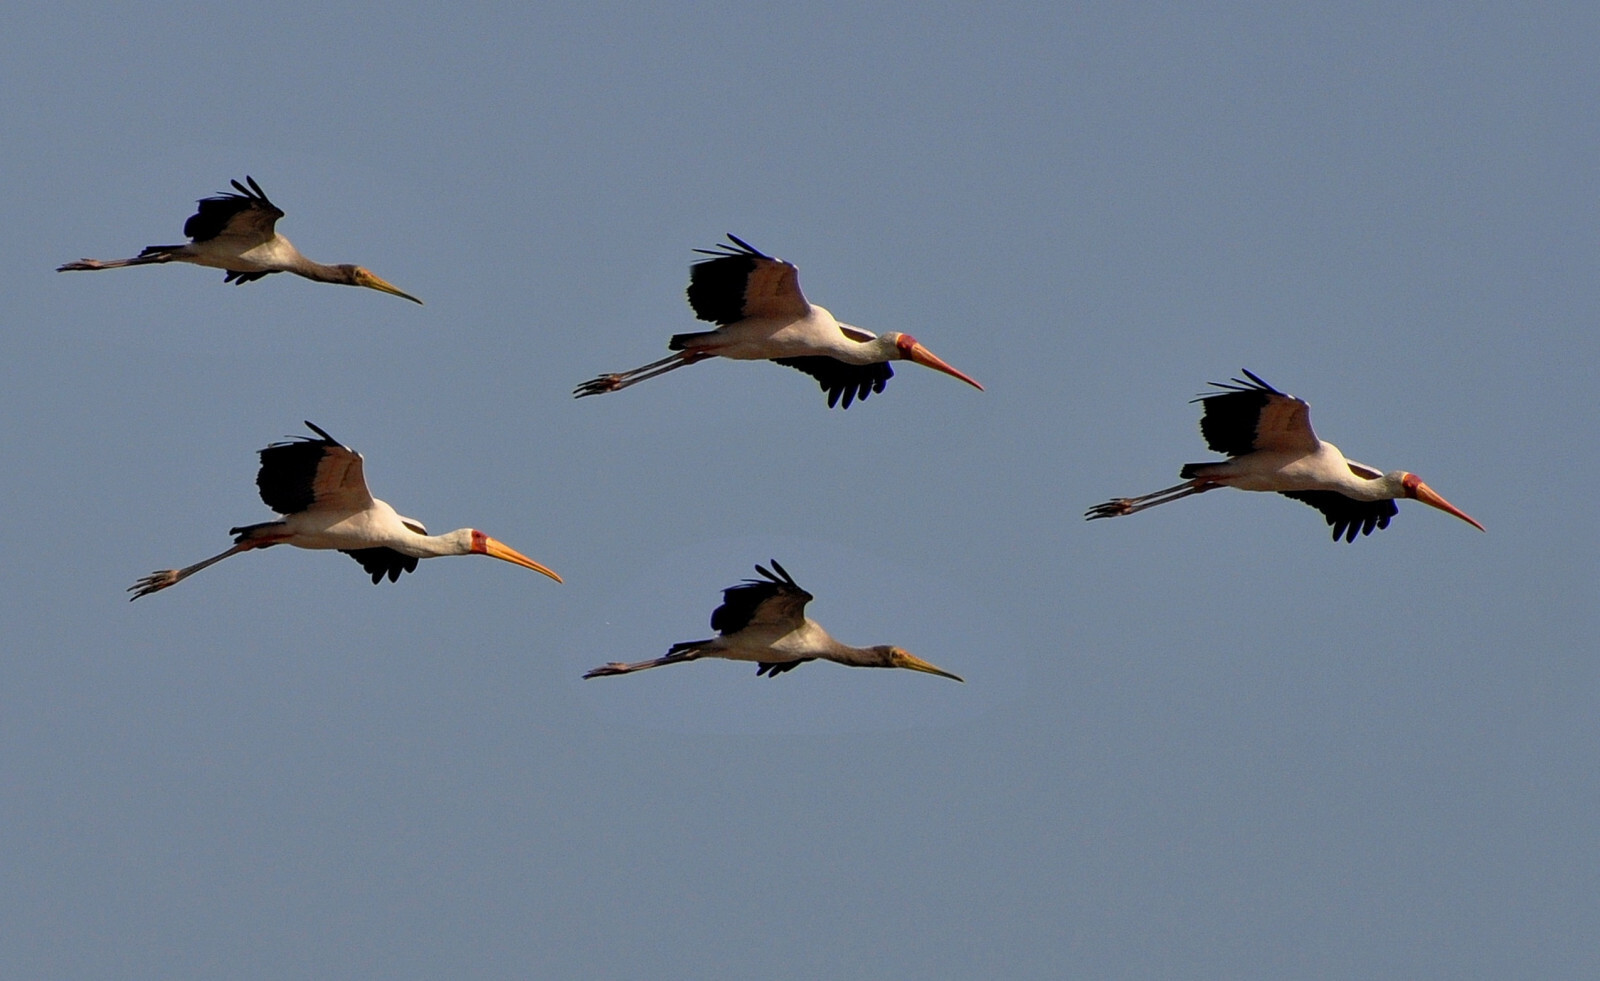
x=1229, y=420
x=837, y=378
x=382, y=562
x=716, y=285
x=1348, y=516
x=289, y=471
x=216, y=212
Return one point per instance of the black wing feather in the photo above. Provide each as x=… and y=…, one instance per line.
x=215, y=212
x=774, y=668
x=382, y=562
x=1348, y=516
x=1229, y=420
x=289, y=470
x=740, y=602
x=837, y=378
x=716, y=285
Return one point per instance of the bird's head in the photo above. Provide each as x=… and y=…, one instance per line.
x=481, y=544
x=907, y=348
x=1412, y=486
x=899, y=657
x=359, y=276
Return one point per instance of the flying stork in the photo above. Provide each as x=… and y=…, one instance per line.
x=318, y=486
x=764, y=620
x=760, y=313
x=234, y=232
x=1268, y=438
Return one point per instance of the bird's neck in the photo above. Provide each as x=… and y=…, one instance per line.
x=858, y=657
x=458, y=542
x=322, y=272
x=878, y=349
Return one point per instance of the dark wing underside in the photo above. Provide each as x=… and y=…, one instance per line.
x=741, y=281
x=304, y=473
x=1348, y=516
x=767, y=601
x=240, y=278
x=837, y=378
x=1252, y=415
x=774, y=668
x=246, y=215
x=382, y=562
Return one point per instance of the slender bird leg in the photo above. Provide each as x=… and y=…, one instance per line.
x=138, y=260
x=1119, y=506
x=161, y=579
x=619, y=667
x=617, y=382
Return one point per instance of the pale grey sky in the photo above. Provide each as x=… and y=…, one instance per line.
x=1199, y=742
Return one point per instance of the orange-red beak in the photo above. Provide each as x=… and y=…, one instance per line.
x=484, y=545
x=1427, y=495
x=916, y=352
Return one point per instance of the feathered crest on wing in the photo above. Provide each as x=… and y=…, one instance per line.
x=246, y=215
x=1247, y=416
x=852, y=381
x=307, y=472
x=380, y=562
x=774, y=599
x=1348, y=516
x=740, y=281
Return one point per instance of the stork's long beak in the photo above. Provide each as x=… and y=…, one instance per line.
x=501, y=550
x=923, y=356
x=905, y=659
x=371, y=282
x=1430, y=497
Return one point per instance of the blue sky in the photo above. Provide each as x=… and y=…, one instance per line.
x=1203, y=741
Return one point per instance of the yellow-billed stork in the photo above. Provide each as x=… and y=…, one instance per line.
x=317, y=484
x=1271, y=446
x=235, y=233
x=761, y=315
x=764, y=620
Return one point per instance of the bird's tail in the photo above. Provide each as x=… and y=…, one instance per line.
x=247, y=533
x=151, y=254
x=1192, y=470
x=687, y=646
x=681, y=341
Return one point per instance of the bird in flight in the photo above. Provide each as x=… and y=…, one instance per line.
x=1271, y=446
x=318, y=487
x=764, y=620
x=760, y=313
x=235, y=233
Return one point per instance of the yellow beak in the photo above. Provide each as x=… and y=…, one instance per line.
x=501, y=550
x=905, y=659
x=371, y=282
x=927, y=358
x=1429, y=496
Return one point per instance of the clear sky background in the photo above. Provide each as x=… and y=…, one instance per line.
x=1199, y=742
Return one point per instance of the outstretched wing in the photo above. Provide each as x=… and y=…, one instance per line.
x=307, y=474
x=740, y=282
x=774, y=600
x=247, y=216
x=1348, y=516
x=852, y=381
x=1251, y=415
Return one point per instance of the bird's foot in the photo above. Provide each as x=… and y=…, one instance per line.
x=80, y=265
x=154, y=582
x=1114, y=508
x=598, y=386
x=615, y=667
